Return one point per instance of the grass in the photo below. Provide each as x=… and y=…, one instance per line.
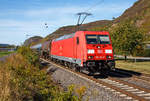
x=5, y=78
x=142, y=67
x=5, y=53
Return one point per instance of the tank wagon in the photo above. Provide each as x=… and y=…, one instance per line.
x=84, y=50
x=45, y=49
x=36, y=47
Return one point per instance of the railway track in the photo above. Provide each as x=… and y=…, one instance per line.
x=124, y=89
x=143, y=77
x=134, y=89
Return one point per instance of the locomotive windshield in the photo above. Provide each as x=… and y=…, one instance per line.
x=91, y=39
x=97, y=39
x=104, y=39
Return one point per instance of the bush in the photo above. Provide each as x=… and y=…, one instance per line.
x=127, y=38
x=145, y=53
x=28, y=82
x=29, y=55
x=22, y=80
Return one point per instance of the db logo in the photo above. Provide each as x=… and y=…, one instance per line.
x=101, y=57
x=99, y=51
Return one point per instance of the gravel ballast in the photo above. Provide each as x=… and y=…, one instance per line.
x=94, y=92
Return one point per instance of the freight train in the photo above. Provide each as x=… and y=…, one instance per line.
x=84, y=50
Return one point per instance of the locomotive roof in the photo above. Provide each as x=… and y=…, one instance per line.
x=72, y=35
x=65, y=37
x=37, y=46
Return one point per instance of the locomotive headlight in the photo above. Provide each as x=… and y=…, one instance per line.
x=91, y=51
x=108, y=51
x=108, y=57
x=90, y=57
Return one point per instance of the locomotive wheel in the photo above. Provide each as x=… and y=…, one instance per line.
x=73, y=67
x=61, y=62
x=66, y=64
x=76, y=68
x=104, y=72
x=91, y=71
x=70, y=65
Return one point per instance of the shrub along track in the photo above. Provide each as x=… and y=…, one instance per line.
x=124, y=89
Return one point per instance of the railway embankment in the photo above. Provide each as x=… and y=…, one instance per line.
x=119, y=85
x=93, y=92
x=22, y=78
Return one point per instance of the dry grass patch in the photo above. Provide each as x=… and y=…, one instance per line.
x=21, y=79
x=4, y=83
x=143, y=67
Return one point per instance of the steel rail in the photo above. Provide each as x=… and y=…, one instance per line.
x=99, y=82
x=144, y=77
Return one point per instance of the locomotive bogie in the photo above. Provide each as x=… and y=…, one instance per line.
x=97, y=66
x=45, y=52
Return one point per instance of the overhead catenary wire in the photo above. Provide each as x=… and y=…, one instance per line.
x=93, y=6
x=85, y=13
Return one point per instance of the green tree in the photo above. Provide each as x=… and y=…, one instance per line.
x=113, y=18
x=127, y=38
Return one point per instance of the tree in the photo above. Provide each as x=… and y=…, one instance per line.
x=113, y=18
x=127, y=38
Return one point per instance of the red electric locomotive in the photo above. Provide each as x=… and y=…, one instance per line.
x=88, y=50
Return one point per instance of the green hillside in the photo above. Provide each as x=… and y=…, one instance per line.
x=139, y=14
x=70, y=29
x=33, y=40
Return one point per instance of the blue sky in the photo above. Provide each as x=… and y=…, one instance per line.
x=19, y=18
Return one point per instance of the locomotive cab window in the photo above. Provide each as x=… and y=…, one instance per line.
x=97, y=39
x=91, y=39
x=104, y=39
